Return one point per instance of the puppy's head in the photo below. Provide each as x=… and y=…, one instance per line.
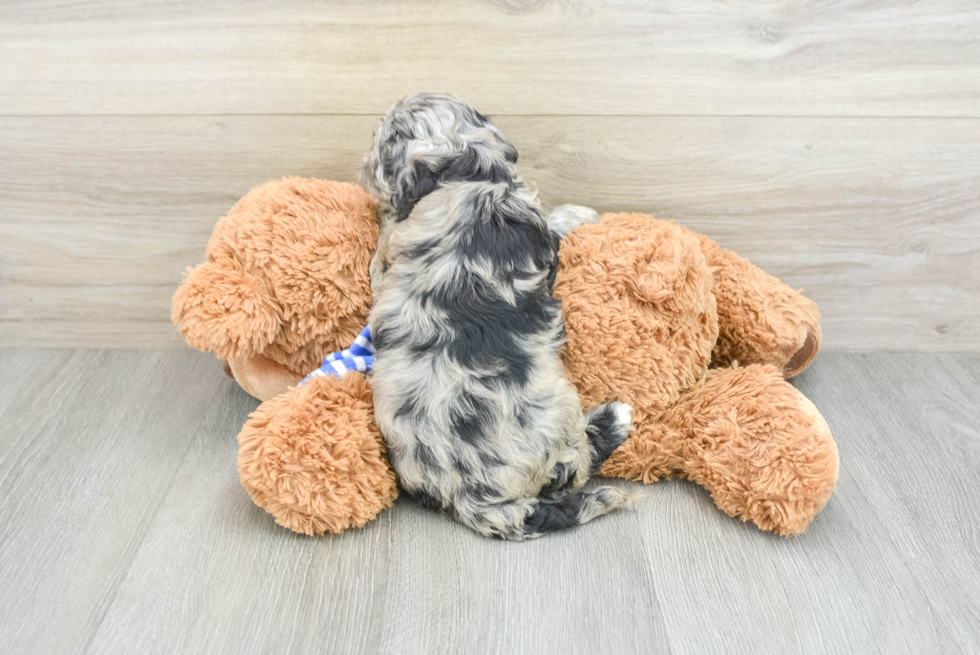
x=427, y=140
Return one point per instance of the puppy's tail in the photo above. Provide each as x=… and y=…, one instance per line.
x=572, y=510
x=517, y=520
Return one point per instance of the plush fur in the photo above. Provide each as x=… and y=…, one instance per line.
x=647, y=306
x=761, y=319
x=643, y=296
x=286, y=277
x=756, y=443
x=470, y=393
x=321, y=468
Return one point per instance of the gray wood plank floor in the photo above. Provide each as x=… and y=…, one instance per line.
x=123, y=529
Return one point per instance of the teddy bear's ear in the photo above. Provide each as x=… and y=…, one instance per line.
x=221, y=307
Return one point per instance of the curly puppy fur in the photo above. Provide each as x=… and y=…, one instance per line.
x=470, y=392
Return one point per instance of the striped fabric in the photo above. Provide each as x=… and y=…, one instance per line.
x=359, y=357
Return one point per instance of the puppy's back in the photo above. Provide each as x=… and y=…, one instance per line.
x=469, y=389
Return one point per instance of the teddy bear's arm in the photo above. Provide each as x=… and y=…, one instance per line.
x=760, y=319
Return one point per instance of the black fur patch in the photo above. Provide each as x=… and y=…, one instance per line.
x=551, y=517
x=486, y=327
x=421, y=250
x=469, y=424
x=425, y=456
x=482, y=493
x=560, y=479
x=523, y=414
x=468, y=166
x=424, y=182
x=408, y=408
x=489, y=459
x=426, y=499
x=464, y=469
x=605, y=434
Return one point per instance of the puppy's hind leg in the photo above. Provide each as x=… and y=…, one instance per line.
x=608, y=427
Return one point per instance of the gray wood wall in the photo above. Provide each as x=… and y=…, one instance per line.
x=834, y=143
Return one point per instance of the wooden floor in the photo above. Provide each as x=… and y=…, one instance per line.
x=123, y=529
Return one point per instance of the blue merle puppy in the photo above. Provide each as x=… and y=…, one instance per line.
x=469, y=390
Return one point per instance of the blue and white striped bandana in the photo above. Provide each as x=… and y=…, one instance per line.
x=359, y=357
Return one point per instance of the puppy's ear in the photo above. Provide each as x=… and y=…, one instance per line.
x=510, y=152
x=222, y=308
x=421, y=183
x=471, y=167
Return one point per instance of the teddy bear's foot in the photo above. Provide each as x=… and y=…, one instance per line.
x=756, y=443
x=759, y=446
x=760, y=319
x=313, y=457
x=259, y=376
x=802, y=358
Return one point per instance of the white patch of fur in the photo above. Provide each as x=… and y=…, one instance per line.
x=565, y=218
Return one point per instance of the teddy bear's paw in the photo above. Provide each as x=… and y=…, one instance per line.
x=259, y=376
x=802, y=357
x=313, y=457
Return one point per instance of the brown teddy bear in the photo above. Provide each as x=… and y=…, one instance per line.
x=696, y=339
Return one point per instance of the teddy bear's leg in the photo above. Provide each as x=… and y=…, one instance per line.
x=313, y=457
x=759, y=446
x=760, y=319
x=756, y=443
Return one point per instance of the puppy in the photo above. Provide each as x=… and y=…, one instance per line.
x=469, y=389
